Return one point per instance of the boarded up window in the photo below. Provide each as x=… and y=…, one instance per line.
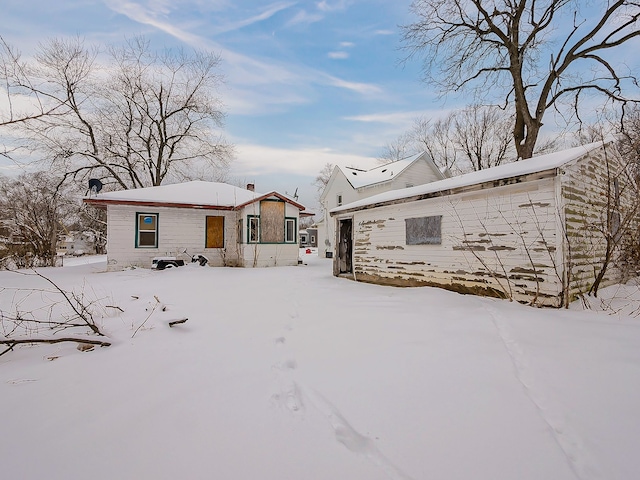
x=272, y=221
x=147, y=230
x=215, y=232
x=424, y=230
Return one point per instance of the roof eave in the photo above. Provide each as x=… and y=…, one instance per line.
x=103, y=203
x=549, y=173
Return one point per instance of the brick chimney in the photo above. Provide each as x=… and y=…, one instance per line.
x=251, y=187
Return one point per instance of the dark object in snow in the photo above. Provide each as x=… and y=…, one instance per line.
x=201, y=259
x=176, y=322
x=95, y=186
x=160, y=263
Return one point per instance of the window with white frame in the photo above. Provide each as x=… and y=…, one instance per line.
x=339, y=199
x=253, y=227
x=146, y=230
x=289, y=230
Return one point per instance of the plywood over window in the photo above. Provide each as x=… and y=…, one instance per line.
x=272, y=221
x=215, y=232
x=424, y=230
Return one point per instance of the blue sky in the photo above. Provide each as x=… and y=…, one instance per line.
x=307, y=82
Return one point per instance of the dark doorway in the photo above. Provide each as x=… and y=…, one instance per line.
x=345, y=246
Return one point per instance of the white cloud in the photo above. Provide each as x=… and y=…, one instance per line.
x=347, y=44
x=384, y=32
x=362, y=88
x=325, y=6
x=254, y=160
x=303, y=17
x=268, y=83
x=395, y=118
x=338, y=55
x=268, y=13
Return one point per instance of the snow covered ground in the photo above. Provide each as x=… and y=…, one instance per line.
x=290, y=373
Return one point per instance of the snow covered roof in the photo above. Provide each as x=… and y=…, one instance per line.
x=361, y=178
x=523, y=167
x=188, y=194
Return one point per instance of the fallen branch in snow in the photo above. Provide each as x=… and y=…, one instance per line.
x=153, y=309
x=55, y=310
x=177, y=322
x=13, y=342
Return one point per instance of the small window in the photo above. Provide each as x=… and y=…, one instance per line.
x=339, y=200
x=147, y=230
x=253, y=224
x=215, y=232
x=408, y=185
x=240, y=232
x=424, y=230
x=289, y=230
x=313, y=239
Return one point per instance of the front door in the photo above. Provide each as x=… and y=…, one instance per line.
x=345, y=246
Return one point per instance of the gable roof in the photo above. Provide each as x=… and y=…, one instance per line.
x=536, y=164
x=196, y=194
x=384, y=173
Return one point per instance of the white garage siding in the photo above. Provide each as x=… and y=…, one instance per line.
x=499, y=242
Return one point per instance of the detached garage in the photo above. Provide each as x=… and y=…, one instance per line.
x=534, y=231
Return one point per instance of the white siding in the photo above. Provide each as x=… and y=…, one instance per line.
x=268, y=255
x=500, y=241
x=339, y=186
x=418, y=173
x=585, y=188
x=178, y=229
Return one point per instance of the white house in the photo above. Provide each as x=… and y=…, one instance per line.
x=533, y=231
x=348, y=184
x=76, y=243
x=231, y=226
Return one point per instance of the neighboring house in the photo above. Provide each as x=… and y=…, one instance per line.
x=533, y=231
x=309, y=237
x=231, y=226
x=348, y=184
x=76, y=243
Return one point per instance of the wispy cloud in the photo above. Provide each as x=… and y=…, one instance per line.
x=338, y=55
x=362, y=88
x=268, y=13
x=384, y=32
x=325, y=6
x=396, y=118
x=304, y=17
x=266, y=82
x=347, y=44
x=259, y=160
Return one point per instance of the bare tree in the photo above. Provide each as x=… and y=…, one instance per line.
x=31, y=210
x=137, y=120
x=512, y=51
x=474, y=138
x=402, y=147
x=322, y=179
